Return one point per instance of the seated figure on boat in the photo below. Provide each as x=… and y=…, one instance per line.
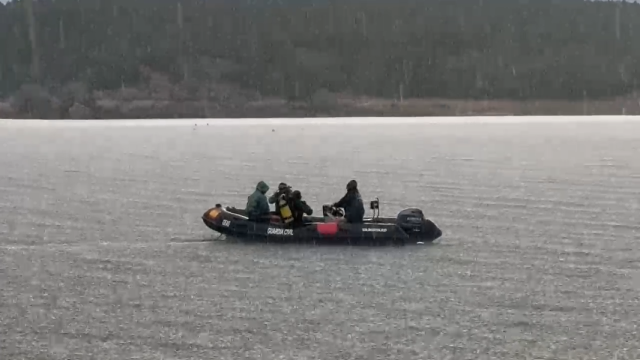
x=282, y=201
x=257, y=205
x=283, y=188
x=352, y=204
x=299, y=208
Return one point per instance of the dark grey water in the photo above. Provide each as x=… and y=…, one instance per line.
x=539, y=258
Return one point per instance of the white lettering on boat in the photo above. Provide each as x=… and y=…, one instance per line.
x=226, y=223
x=275, y=231
x=374, y=229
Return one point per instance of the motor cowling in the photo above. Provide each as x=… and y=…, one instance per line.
x=411, y=220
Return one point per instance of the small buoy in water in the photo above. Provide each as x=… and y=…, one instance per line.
x=273, y=130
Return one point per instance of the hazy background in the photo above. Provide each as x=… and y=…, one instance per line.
x=192, y=58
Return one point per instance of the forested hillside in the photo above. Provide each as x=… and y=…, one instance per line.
x=483, y=49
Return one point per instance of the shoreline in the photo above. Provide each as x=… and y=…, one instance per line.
x=119, y=106
x=318, y=121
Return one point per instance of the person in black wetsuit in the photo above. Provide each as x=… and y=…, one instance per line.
x=299, y=208
x=352, y=204
x=283, y=189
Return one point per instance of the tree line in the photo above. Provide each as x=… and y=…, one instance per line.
x=402, y=48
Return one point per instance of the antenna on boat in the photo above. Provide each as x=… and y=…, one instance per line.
x=375, y=205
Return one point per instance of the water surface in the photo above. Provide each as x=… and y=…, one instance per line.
x=538, y=259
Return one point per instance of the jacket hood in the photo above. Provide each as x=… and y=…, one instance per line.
x=352, y=185
x=262, y=187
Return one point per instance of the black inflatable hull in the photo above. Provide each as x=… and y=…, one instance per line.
x=232, y=222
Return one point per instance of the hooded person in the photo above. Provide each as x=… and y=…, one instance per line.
x=257, y=205
x=352, y=204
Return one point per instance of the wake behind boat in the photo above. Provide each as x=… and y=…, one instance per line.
x=408, y=227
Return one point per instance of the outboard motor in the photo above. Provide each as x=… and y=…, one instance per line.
x=413, y=222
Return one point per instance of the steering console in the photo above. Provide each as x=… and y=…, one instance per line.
x=330, y=210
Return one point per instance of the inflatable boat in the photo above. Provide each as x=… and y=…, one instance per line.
x=408, y=227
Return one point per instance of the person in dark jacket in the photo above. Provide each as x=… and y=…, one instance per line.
x=257, y=206
x=283, y=189
x=299, y=208
x=352, y=204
